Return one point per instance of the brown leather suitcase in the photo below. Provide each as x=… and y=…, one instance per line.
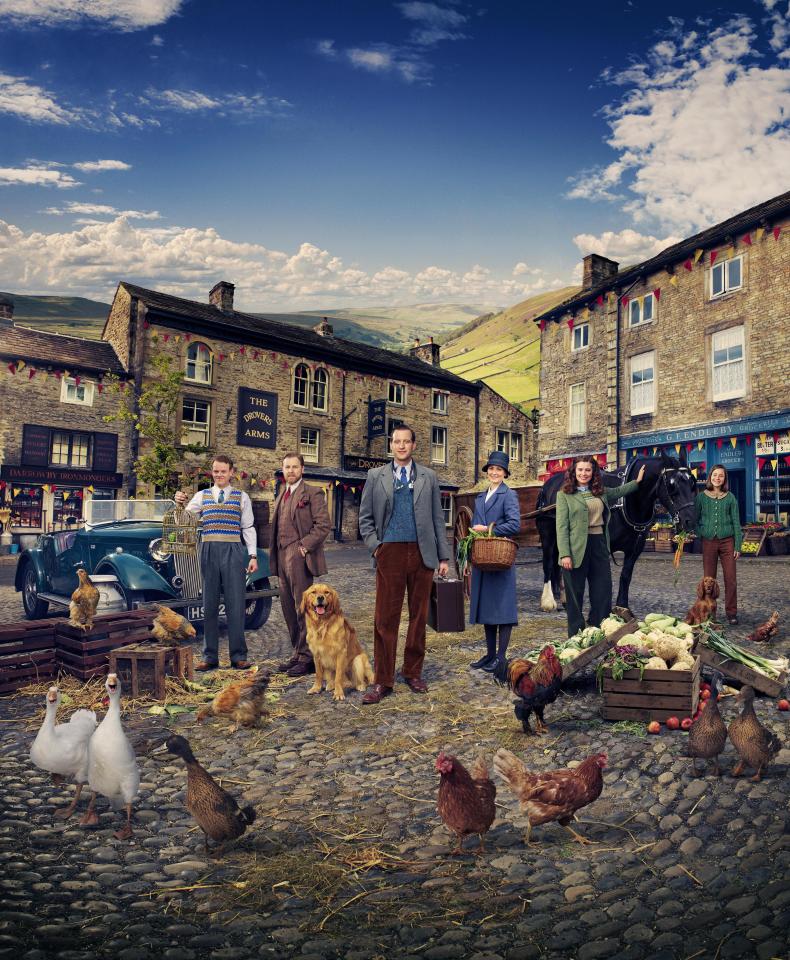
x=446, y=607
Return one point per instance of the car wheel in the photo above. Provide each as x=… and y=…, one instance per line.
x=258, y=609
x=35, y=608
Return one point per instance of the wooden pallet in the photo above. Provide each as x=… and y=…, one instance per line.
x=739, y=671
x=143, y=668
x=27, y=654
x=85, y=655
x=587, y=656
x=660, y=694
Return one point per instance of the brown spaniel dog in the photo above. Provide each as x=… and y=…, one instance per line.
x=705, y=607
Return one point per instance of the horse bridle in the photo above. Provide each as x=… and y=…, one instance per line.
x=661, y=486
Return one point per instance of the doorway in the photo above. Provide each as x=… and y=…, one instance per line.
x=737, y=484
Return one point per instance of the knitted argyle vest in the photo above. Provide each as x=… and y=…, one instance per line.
x=221, y=521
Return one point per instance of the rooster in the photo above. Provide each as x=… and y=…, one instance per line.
x=535, y=684
x=243, y=701
x=554, y=795
x=766, y=630
x=466, y=800
x=170, y=627
x=84, y=602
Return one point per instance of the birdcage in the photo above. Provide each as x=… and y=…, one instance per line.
x=179, y=532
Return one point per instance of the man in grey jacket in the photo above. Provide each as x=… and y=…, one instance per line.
x=402, y=523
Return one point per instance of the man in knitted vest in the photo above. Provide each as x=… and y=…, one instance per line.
x=402, y=523
x=228, y=552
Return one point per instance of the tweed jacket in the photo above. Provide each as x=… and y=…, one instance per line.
x=308, y=512
x=573, y=520
x=375, y=510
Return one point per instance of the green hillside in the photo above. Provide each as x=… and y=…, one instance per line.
x=503, y=349
x=77, y=316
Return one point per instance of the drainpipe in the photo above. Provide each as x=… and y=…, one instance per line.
x=138, y=368
x=340, y=501
x=477, y=437
x=617, y=371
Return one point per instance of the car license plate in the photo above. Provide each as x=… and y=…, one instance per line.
x=195, y=612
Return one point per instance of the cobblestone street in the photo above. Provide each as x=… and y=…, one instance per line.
x=348, y=857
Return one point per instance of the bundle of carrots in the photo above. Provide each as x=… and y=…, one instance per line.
x=681, y=539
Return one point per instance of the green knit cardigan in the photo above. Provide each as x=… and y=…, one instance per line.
x=719, y=518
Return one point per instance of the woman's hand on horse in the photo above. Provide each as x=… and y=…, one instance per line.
x=640, y=474
x=480, y=527
x=566, y=563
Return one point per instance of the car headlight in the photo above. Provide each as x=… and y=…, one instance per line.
x=156, y=551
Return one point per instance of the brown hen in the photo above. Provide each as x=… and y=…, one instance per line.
x=466, y=800
x=84, y=602
x=766, y=630
x=535, y=684
x=170, y=628
x=243, y=701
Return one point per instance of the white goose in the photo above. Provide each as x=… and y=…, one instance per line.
x=62, y=749
x=112, y=765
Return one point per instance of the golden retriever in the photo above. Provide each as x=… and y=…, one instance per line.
x=705, y=607
x=337, y=653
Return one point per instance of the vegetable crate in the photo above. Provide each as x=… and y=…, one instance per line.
x=27, y=654
x=739, y=671
x=660, y=694
x=587, y=656
x=85, y=655
x=143, y=667
x=753, y=544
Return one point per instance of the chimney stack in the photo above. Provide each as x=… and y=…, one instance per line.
x=324, y=328
x=221, y=296
x=427, y=352
x=597, y=269
x=6, y=312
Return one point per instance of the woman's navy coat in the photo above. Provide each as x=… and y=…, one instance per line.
x=494, y=594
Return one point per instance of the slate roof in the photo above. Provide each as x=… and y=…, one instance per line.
x=243, y=328
x=37, y=347
x=733, y=229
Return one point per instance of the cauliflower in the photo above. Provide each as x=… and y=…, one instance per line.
x=669, y=648
x=681, y=665
x=610, y=624
x=655, y=663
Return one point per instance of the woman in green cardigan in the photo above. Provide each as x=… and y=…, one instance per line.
x=583, y=540
x=719, y=525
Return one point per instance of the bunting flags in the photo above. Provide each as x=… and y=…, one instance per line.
x=758, y=233
x=697, y=254
x=747, y=239
x=657, y=293
x=773, y=464
x=700, y=444
x=624, y=300
x=599, y=299
x=687, y=264
x=713, y=255
x=776, y=231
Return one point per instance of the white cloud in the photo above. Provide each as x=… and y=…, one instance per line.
x=115, y=14
x=194, y=101
x=626, y=246
x=92, y=257
x=157, y=41
x=36, y=176
x=73, y=207
x=435, y=23
x=34, y=103
x=701, y=131
x=99, y=166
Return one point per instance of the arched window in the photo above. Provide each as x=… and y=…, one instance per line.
x=320, y=383
x=199, y=362
x=301, y=385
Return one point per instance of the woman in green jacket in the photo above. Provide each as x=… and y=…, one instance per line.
x=719, y=525
x=583, y=540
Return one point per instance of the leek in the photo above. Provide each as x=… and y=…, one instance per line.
x=772, y=669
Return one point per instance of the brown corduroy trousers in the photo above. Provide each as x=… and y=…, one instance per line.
x=399, y=571
x=724, y=549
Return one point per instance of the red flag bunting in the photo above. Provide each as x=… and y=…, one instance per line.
x=166, y=337
x=570, y=323
x=748, y=439
x=146, y=324
x=720, y=443
x=776, y=231
x=760, y=462
x=221, y=357
x=599, y=299
x=713, y=255
x=31, y=373
x=688, y=264
x=689, y=447
x=624, y=300
x=242, y=350
x=787, y=460
x=77, y=381
x=100, y=387
x=255, y=355
x=187, y=337
x=12, y=367
x=542, y=325
x=657, y=293
x=747, y=239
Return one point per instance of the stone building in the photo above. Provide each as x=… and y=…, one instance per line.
x=56, y=451
x=256, y=389
x=687, y=351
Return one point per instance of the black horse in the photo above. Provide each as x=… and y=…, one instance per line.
x=667, y=481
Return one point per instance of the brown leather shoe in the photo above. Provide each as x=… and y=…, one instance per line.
x=376, y=693
x=242, y=665
x=416, y=684
x=301, y=668
x=286, y=665
x=203, y=665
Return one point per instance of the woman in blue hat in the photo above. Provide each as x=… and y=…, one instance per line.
x=493, y=601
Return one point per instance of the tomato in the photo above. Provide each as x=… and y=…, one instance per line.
x=654, y=727
x=705, y=695
x=673, y=723
x=685, y=723
x=783, y=705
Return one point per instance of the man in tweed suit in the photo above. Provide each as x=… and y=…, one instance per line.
x=402, y=523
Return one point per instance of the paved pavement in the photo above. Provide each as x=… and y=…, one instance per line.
x=348, y=857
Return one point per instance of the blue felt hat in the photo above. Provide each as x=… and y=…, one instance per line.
x=498, y=458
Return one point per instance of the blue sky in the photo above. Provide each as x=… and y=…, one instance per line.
x=328, y=153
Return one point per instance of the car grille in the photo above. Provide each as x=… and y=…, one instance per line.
x=187, y=566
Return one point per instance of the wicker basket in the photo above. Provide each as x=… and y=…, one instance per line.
x=492, y=554
x=179, y=532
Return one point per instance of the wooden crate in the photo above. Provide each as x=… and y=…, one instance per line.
x=755, y=538
x=27, y=654
x=142, y=668
x=587, y=656
x=86, y=655
x=658, y=695
x=739, y=671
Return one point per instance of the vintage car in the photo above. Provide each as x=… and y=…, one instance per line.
x=122, y=549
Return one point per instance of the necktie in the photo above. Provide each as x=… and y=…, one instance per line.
x=222, y=496
x=287, y=494
x=403, y=478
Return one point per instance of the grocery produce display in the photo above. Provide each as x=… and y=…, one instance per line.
x=714, y=640
x=568, y=650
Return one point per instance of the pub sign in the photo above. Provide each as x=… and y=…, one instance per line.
x=256, y=423
x=377, y=418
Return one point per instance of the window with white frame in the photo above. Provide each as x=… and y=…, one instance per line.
x=643, y=383
x=577, y=413
x=76, y=390
x=195, y=421
x=70, y=449
x=580, y=337
x=729, y=369
x=301, y=386
x=320, y=389
x=199, y=363
x=396, y=393
x=510, y=443
x=439, y=401
x=641, y=310
x=725, y=276
x=438, y=444
x=447, y=508
x=309, y=443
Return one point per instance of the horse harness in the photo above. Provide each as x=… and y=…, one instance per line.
x=662, y=486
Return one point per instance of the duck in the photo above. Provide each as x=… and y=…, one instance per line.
x=62, y=748
x=708, y=733
x=112, y=766
x=756, y=744
x=215, y=810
